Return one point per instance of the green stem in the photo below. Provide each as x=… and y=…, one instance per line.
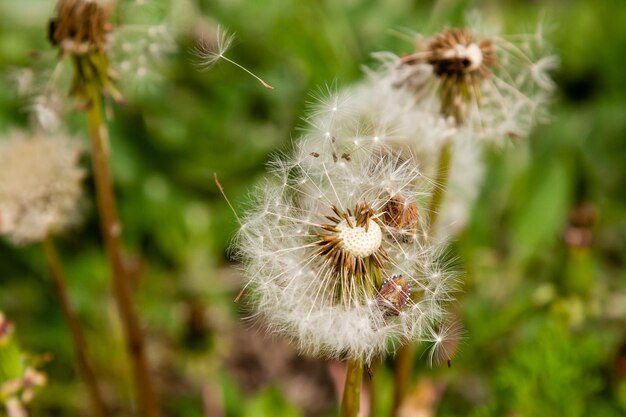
x=402, y=367
x=85, y=367
x=352, y=389
x=406, y=355
x=111, y=229
x=375, y=387
x=441, y=184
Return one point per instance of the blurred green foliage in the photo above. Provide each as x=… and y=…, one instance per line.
x=545, y=320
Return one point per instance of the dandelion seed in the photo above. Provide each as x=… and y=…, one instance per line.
x=445, y=340
x=209, y=53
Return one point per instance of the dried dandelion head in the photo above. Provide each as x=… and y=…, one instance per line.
x=492, y=86
x=40, y=186
x=81, y=26
x=335, y=253
x=461, y=63
x=81, y=31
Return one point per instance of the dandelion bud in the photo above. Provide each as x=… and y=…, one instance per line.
x=40, y=186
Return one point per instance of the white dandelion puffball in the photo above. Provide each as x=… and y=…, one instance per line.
x=40, y=185
x=335, y=256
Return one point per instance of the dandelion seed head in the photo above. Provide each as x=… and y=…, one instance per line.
x=40, y=186
x=326, y=265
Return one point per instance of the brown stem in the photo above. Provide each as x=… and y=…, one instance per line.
x=352, y=389
x=111, y=229
x=406, y=355
x=78, y=337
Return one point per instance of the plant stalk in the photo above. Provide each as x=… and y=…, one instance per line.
x=441, y=184
x=352, y=389
x=406, y=355
x=85, y=367
x=111, y=229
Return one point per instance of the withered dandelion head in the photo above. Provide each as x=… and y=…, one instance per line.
x=498, y=86
x=81, y=25
x=40, y=186
x=325, y=266
x=81, y=31
x=461, y=62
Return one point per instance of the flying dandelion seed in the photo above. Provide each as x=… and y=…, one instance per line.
x=210, y=52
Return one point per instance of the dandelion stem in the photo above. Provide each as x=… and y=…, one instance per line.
x=352, y=389
x=443, y=168
x=406, y=355
x=403, y=364
x=85, y=366
x=374, y=385
x=111, y=229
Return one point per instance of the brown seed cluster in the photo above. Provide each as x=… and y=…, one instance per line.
x=342, y=260
x=401, y=215
x=393, y=295
x=80, y=26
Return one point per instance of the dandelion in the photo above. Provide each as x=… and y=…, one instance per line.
x=335, y=256
x=40, y=186
x=81, y=25
x=497, y=86
x=210, y=52
x=81, y=31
